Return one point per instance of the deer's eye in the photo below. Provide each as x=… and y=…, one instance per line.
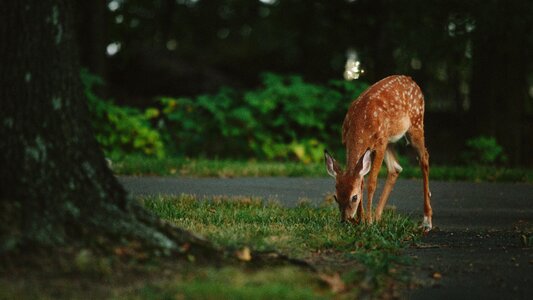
x=354, y=198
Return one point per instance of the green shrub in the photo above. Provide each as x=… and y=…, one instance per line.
x=297, y=118
x=285, y=118
x=483, y=150
x=211, y=125
x=121, y=130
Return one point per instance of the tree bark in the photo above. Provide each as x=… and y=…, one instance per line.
x=55, y=186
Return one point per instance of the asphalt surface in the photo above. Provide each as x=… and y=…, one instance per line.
x=478, y=249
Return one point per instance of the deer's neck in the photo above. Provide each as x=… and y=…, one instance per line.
x=354, y=153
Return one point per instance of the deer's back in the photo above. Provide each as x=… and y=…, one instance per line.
x=386, y=107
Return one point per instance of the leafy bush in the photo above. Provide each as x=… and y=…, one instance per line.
x=208, y=125
x=286, y=118
x=483, y=150
x=121, y=130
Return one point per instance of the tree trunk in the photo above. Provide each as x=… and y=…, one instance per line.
x=56, y=188
x=499, y=73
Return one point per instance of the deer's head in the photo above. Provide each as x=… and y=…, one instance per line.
x=348, y=184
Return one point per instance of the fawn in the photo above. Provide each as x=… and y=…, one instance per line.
x=382, y=114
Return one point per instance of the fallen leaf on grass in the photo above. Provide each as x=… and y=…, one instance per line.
x=526, y=240
x=426, y=246
x=184, y=248
x=334, y=282
x=437, y=276
x=130, y=252
x=244, y=254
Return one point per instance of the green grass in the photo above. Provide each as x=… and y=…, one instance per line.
x=234, y=283
x=367, y=257
x=239, y=222
x=187, y=282
x=135, y=165
x=364, y=261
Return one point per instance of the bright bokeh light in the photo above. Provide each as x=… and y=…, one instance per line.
x=352, y=69
x=113, y=5
x=113, y=48
x=189, y=3
x=451, y=28
x=270, y=2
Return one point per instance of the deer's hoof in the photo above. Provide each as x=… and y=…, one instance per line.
x=426, y=224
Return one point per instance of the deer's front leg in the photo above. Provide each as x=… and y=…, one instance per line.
x=394, y=169
x=372, y=180
x=360, y=210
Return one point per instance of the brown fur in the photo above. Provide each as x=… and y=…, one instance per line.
x=383, y=113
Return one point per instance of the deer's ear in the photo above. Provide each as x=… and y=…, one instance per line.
x=331, y=165
x=366, y=163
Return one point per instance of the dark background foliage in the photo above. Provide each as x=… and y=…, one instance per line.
x=471, y=58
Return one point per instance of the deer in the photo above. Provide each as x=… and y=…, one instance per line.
x=384, y=113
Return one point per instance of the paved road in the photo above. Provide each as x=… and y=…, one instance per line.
x=476, y=251
x=455, y=204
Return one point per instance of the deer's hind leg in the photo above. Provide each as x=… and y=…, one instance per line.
x=416, y=135
x=393, y=169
